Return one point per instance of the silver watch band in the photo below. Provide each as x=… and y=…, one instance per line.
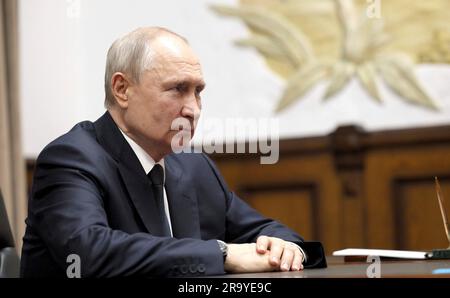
x=224, y=248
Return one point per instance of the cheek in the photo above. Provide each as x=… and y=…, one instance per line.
x=169, y=112
x=162, y=119
x=156, y=115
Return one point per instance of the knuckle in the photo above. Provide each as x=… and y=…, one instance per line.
x=262, y=238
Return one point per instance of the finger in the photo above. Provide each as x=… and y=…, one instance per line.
x=262, y=244
x=276, y=250
x=287, y=259
x=298, y=260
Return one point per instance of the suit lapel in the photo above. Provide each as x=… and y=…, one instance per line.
x=182, y=202
x=131, y=171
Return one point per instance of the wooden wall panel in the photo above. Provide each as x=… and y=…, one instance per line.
x=374, y=190
x=392, y=177
x=294, y=208
x=419, y=225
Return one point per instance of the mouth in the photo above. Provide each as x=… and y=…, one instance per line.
x=181, y=128
x=184, y=132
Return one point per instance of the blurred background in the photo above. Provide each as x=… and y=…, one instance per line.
x=360, y=91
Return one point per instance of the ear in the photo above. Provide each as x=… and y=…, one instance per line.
x=119, y=86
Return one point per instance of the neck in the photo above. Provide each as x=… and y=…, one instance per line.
x=148, y=146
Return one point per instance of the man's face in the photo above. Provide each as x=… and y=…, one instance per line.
x=169, y=90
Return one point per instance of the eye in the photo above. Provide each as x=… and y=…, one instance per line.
x=198, y=90
x=181, y=88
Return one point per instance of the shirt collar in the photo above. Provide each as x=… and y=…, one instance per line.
x=144, y=158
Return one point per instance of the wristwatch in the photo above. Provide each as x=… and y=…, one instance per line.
x=224, y=248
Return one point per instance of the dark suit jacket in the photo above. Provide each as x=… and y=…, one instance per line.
x=91, y=197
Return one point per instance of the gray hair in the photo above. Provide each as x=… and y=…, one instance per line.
x=131, y=54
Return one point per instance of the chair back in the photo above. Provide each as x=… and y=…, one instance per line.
x=9, y=261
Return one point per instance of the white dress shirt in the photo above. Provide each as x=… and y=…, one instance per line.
x=148, y=163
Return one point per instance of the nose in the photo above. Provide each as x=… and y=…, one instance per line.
x=191, y=109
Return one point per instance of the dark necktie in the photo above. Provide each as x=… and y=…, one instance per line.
x=156, y=176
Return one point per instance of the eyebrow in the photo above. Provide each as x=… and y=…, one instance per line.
x=197, y=83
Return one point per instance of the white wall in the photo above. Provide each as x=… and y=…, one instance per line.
x=63, y=50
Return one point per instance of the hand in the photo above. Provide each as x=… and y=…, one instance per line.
x=283, y=255
x=243, y=258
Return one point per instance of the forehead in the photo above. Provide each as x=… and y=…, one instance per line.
x=174, y=59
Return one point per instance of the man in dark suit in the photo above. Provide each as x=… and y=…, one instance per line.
x=115, y=195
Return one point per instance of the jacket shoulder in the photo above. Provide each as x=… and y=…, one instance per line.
x=77, y=147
